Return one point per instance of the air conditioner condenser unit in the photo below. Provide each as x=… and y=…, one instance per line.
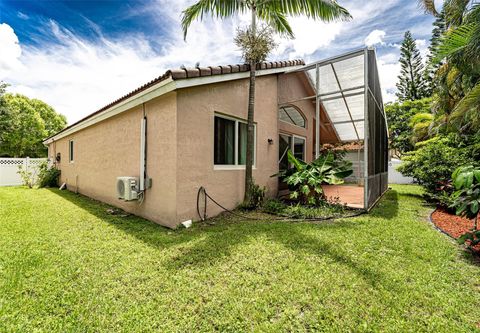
x=127, y=188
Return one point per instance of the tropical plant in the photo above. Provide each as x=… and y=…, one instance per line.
x=399, y=117
x=256, y=198
x=420, y=124
x=274, y=14
x=305, y=179
x=411, y=83
x=457, y=85
x=467, y=199
x=432, y=162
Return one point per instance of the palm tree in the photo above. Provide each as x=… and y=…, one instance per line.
x=274, y=13
x=458, y=93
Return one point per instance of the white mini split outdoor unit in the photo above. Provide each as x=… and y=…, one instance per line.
x=127, y=188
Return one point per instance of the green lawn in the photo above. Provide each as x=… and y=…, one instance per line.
x=66, y=265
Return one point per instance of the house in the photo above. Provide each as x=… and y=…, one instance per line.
x=187, y=129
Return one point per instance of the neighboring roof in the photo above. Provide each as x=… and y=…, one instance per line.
x=343, y=146
x=188, y=73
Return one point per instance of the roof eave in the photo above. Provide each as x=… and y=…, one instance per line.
x=157, y=90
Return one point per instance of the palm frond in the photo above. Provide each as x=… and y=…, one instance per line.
x=467, y=110
x=323, y=10
x=218, y=9
x=454, y=41
x=277, y=21
x=455, y=11
x=428, y=6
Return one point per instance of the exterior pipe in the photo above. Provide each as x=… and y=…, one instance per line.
x=143, y=151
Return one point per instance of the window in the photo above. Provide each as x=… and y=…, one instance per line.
x=230, y=141
x=70, y=150
x=291, y=115
x=295, y=143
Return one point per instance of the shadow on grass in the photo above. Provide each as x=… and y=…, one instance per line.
x=387, y=207
x=207, y=245
x=149, y=232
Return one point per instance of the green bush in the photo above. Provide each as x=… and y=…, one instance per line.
x=28, y=176
x=274, y=206
x=48, y=176
x=466, y=199
x=257, y=195
x=305, y=180
x=325, y=209
x=399, y=116
x=431, y=164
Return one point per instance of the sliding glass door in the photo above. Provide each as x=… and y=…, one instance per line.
x=295, y=143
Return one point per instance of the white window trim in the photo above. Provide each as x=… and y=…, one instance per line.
x=298, y=110
x=304, y=145
x=292, y=145
x=71, y=144
x=236, y=166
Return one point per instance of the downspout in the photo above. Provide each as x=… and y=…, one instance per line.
x=143, y=152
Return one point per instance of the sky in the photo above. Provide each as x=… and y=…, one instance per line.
x=78, y=56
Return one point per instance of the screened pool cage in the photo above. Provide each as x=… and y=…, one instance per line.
x=349, y=96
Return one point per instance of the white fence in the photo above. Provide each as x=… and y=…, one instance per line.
x=394, y=176
x=9, y=169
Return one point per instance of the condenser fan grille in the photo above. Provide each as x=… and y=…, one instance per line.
x=121, y=188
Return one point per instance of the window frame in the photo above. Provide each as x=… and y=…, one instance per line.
x=296, y=109
x=71, y=151
x=292, y=144
x=235, y=166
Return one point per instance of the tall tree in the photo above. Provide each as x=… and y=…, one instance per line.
x=25, y=123
x=457, y=86
x=411, y=84
x=274, y=13
x=432, y=66
x=399, y=117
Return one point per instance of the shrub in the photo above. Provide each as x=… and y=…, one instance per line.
x=28, y=176
x=43, y=176
x=299, y=211
x=257, y=195
x=274, y=206
x=48, y=176
x=431, y=164
x=305, y=180
x=466, y=199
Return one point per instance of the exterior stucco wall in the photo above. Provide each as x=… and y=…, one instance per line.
x=111, y=148
x=195, y=146
x=180, y=147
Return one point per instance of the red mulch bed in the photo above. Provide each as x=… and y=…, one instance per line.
x=452, y=225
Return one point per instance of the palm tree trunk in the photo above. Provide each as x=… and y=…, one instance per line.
x=250, y=126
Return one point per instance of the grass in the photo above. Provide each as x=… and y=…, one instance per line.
x=66, y=265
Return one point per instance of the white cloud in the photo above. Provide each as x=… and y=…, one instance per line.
x=375, y=37
x=22, y=16
x=388, y=70
x=306, y=42
x=11, y=51
x=78, y=76
x=422, y=46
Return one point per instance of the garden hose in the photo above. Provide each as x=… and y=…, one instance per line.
x=284, y=218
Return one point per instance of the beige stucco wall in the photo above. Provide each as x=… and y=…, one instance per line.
x=180, y=147
x=195, y=145
x=111, y=148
